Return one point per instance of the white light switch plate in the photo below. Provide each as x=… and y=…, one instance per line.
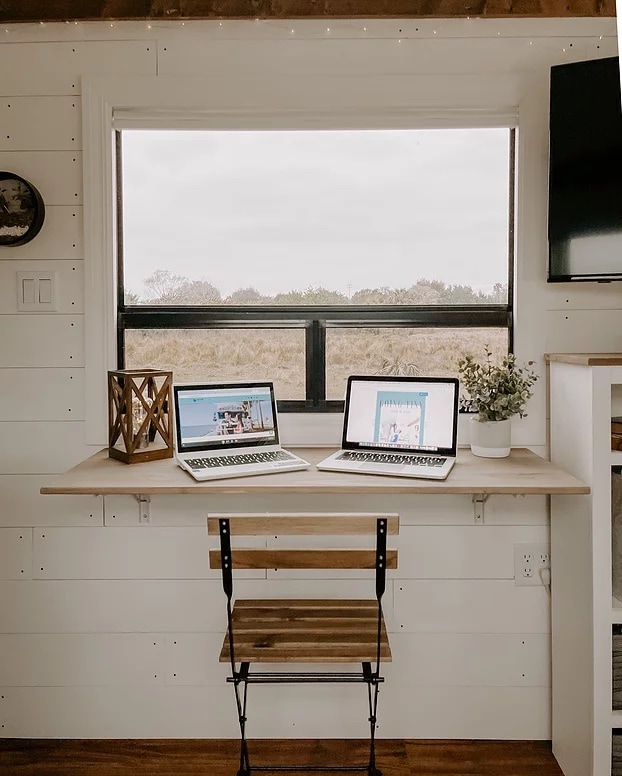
x=36, y=292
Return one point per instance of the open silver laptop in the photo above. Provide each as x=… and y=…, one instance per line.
x=401, y=426
x=229, y=430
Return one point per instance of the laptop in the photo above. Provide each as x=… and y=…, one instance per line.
x=229, y=430
x=400, y=426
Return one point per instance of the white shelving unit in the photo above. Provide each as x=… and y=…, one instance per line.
x=585, y=393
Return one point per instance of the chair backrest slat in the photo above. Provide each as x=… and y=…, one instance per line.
x=304, y=524
x=303, y=559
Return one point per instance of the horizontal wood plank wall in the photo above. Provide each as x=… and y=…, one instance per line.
x=109, y=628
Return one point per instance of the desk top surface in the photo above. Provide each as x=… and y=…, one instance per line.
x=523, y=472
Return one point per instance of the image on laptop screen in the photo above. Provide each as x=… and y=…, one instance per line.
x=407, y=414
x=231, y=415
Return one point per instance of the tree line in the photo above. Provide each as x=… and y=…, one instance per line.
x=166, y=288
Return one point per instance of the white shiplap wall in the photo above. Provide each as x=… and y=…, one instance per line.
x=108, y=628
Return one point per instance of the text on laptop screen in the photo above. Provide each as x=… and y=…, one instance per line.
x=225, y=416
x=401, y=415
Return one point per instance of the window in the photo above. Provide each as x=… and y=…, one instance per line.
x=305, y=256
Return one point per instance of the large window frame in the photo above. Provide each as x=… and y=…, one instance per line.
x=313, y=319
x=313, y=101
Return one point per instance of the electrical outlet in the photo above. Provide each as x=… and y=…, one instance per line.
x=528, y=560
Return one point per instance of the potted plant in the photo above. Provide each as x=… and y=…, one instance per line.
x=497, y=392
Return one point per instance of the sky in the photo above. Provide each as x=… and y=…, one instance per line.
x=288, y=210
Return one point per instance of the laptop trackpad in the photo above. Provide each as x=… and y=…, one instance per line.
x=378, y=468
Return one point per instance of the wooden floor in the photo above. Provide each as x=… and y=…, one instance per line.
x=191, y=757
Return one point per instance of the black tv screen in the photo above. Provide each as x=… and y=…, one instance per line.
x=585, y=172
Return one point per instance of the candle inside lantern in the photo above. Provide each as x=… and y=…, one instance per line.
x=139, y=413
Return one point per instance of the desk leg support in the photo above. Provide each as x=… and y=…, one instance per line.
x=479, y=500
x=144, y=515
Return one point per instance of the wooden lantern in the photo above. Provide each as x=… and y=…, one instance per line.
x=140, y=409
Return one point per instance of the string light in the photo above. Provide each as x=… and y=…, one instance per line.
x=328, y=29
x=292, y=32
x=364, y=29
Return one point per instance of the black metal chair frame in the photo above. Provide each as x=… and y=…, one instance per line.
x=243, y=677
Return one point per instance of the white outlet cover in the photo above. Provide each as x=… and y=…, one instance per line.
x=528, y=560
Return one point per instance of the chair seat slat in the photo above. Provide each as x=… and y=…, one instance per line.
x=303, y=615
x=323, y=604
x=297, y=638
x=352, y=625
x=288, y=655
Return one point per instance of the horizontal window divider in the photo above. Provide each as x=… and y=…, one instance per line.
x=329, y=406
x=161, y=317
x=444, y=319
x=206, y=320
x=291, y=405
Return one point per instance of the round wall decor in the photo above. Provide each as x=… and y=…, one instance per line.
x=21, y=210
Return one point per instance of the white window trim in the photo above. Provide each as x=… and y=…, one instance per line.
x=278, y=102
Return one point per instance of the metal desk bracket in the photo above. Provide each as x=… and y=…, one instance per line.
x=479, y=500
x=144, y=517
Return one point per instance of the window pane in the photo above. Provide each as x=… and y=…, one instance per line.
x=430, y=352
x=316, y=217
x=223, y=354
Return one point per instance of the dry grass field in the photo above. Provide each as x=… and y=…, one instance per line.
x=278, y=354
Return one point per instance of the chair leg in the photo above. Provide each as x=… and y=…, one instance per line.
x=372, y=696
x=245, y=768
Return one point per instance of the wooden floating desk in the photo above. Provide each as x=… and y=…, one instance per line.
x=523, y=472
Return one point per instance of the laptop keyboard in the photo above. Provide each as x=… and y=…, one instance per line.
x=272, y=456
x=394, y=458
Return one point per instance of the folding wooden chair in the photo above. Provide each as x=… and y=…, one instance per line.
x=289, y=631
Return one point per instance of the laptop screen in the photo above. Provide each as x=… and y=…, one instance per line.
x=406, y=414
x=213, y=416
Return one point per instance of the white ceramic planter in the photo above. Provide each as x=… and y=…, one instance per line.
x=491, y=439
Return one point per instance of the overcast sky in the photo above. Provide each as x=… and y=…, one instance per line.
x=345, y=210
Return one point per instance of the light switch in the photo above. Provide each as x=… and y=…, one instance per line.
x=45, y=290
x=36, y=292
x=28, y=290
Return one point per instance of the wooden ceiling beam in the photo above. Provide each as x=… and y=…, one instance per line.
x=109, y=10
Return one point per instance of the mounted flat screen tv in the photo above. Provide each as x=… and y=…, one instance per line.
x=585, y=172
